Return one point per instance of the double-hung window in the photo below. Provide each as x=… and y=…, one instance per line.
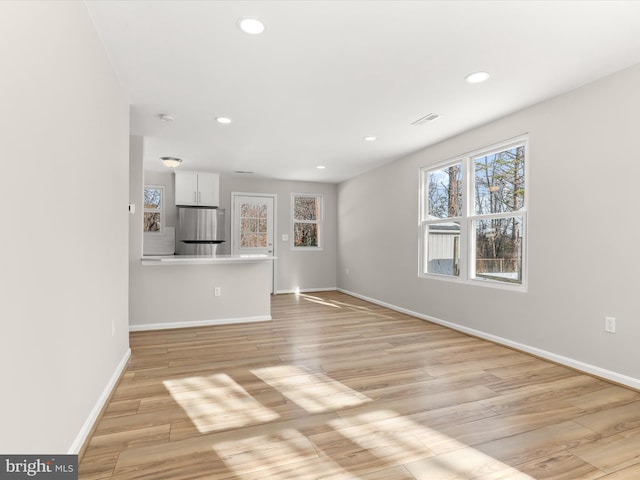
x=153, y=208
x=306, y=216
x=473, y=217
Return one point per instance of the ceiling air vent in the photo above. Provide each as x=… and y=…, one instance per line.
x=429, y=117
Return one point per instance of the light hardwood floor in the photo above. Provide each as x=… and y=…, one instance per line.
x=337, y=388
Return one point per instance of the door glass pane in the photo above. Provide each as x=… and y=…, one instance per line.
x=253, y=225
x=253, y=240
x=499, y=181
x=443, y=248
x=499, y=249
x=261, y=240
x=249, y=225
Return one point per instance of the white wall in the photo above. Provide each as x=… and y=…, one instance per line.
x=582, y=232
x=303, y=269
x=63, y=189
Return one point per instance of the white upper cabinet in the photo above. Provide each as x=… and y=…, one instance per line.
x=198, y=189
x=209, y=189
x=186, y=188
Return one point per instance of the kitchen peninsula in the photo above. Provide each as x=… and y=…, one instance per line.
x=203, y=260
x=187, y=291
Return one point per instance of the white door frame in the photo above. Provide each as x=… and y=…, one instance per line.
x=234, y=238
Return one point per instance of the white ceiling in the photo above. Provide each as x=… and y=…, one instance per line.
x=325, y=74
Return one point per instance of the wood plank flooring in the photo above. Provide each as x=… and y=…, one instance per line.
x=337, y=388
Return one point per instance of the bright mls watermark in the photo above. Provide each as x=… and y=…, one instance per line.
x=50, y=467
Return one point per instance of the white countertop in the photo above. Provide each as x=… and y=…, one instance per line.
x=203, y=260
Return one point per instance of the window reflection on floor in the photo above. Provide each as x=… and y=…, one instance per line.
x=315, y=392
x=217, y=402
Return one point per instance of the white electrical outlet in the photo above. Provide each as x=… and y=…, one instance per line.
x=217, y=291
x=610, y=324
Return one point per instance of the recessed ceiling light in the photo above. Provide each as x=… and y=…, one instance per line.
x=225, y=120
x=321, y=167
x=252, y=26
x=477, y=77
x=166, y=118
x=370, y=138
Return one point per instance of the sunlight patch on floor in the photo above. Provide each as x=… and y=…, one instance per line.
x=356, y=446
x=398, y=440
x=464, y=463
x=321, y=301
x=259, y=452
x=217, y=402
x=315, y=392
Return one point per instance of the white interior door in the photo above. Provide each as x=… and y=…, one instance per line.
x=252, y=227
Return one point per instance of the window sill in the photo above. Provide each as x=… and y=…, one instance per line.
x=480, y=282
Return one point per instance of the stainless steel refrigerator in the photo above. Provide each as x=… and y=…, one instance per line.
x=201, y=231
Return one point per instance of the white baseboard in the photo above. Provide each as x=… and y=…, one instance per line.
x=97, y=408
x=198, y=323
x=560, y=359
x=307, y=290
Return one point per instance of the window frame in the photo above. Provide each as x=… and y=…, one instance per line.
x=319, y=221
x=159, y=210
x=468, y=217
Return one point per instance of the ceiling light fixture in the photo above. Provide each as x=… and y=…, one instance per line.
x=223, y=120
x=166, y=118
x=321, y=167
x=477, y=77
x=252, y=26
x=171, y=162
x=370, y=138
